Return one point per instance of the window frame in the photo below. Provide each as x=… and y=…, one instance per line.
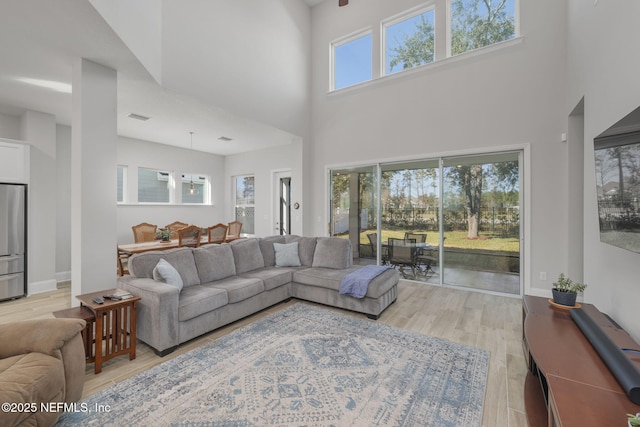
x=364, y=32
x=402, y=16
x=170, y=185
x=203, y=179
x=449, y=30
x=125, y=193
x=235, y=204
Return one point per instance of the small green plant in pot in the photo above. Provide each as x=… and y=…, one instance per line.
x=163, y=234
x=634, y=420
x=565, y=291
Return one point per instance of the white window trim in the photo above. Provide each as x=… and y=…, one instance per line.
x=234, y=185
x=432, y=65
x=201, y=179
x=125, y=193
x=407, y=14
x=332, y=54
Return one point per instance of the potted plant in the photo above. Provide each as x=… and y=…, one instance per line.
x=164, y=234
x=565, y=291
x=634, y=420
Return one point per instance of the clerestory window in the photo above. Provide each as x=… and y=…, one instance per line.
x=352, y=60
x=409, y=41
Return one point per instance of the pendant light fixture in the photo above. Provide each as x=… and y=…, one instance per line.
x=192, y=190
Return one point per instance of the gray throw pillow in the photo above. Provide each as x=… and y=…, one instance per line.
x=164, y=272
x=287, y=254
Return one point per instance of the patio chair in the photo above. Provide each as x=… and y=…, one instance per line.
x=233, y=232
x=426, y=259
x=373, y=241
x=419, y=237
x=144, y=232
x=189, y=236
x=402, y=254
x=217, y=233
x=174, y=227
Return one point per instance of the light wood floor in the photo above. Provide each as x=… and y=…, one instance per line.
x=486, y=321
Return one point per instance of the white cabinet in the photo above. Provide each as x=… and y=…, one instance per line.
x=14, y=161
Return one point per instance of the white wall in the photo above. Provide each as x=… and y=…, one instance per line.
x=262, y=164
x=603, y=68
x=9, y=127
x=510, y=96
x=136, y=153
x=63, y=203
x=39, y=129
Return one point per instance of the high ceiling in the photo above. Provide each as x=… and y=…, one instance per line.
x=206, y=87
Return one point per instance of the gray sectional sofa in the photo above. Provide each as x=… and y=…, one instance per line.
x=219, y=284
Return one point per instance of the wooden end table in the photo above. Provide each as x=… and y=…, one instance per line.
x=115, y=326
x=88, y=332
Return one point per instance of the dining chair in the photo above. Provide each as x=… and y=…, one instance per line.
x=217, y=233
x=174, y=227
x=233, y=231
x=419, y=237
x=402, y=254
x=189, y=236
x=144, y=232
x=122, y=259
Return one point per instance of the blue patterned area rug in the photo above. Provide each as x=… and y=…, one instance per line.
x=304, y=366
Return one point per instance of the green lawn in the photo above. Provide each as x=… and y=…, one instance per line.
x=455, y=239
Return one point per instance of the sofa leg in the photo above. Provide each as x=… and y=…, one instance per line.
x=164, y=352
x=373, y=316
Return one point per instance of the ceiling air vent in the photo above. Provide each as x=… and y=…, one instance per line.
x=138, y=117
x=225, y=138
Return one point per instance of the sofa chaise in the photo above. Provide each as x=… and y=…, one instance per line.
x=197, y=290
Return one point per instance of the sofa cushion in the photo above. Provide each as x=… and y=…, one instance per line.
x=332, y=252
x=306, y=248
x=266, y=247
x=214, y=262
x=164, y=272
x=287, y=254
x=247, y=255
x=239, y=288
x=142, y=265
x=272, y=277
x=196, y=300
x=331, y=278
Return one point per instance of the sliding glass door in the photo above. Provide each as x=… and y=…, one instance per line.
x=481, y=222
x=354, y=209
x=460, y=214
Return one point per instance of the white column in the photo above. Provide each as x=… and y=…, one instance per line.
x=40, y=130
x=93, y=178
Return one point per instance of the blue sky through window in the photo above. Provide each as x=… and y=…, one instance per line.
x=353, y=62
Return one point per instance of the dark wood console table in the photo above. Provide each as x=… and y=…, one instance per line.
x=568, y=384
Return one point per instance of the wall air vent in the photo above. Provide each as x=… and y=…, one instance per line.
x=138, y=117
x=225, y=138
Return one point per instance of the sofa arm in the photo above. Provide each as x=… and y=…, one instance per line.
x=157, y=311
x=47, y=336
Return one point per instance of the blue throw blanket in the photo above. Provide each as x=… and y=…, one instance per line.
x=356, y=284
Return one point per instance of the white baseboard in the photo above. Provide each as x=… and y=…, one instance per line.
x=63, y=276
x=43, y=286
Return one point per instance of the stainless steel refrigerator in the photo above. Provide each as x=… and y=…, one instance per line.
x=13, y=241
